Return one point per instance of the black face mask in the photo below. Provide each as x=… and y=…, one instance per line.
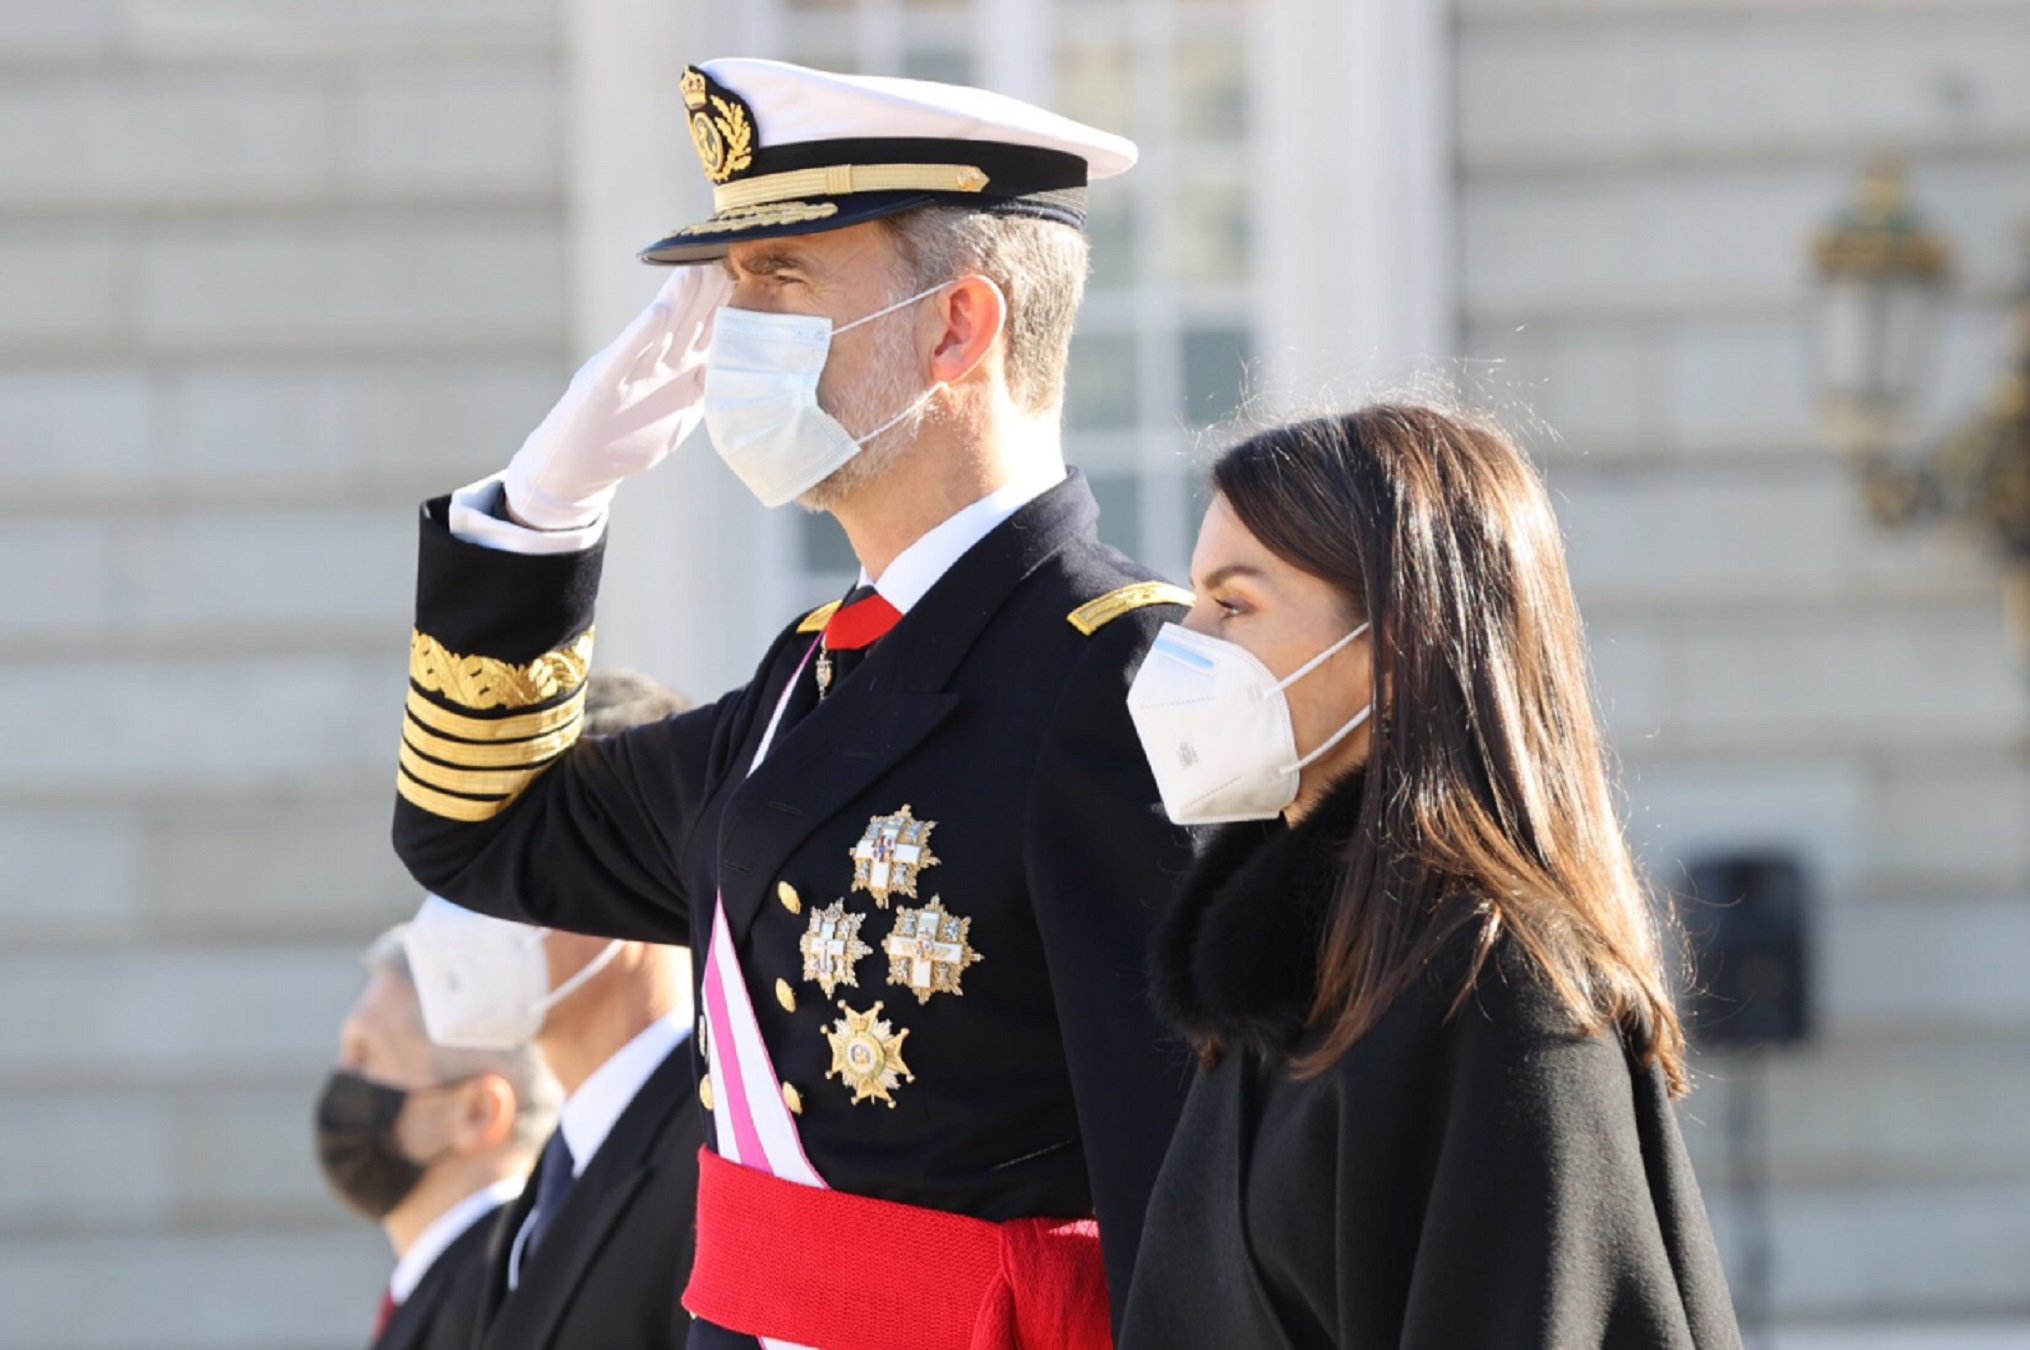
x=356, y=1143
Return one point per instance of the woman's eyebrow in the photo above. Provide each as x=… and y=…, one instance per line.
x=1218, y=575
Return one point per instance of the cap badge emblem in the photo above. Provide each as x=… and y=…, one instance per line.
x=721, y=127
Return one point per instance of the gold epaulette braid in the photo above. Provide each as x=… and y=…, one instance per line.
x=1094, y=615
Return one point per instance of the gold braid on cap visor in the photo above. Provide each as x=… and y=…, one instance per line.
x=841, y=180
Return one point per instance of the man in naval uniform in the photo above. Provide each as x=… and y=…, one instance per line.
x=918, y=854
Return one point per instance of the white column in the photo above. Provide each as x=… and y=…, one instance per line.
x=1351, y=167
x=692, y=570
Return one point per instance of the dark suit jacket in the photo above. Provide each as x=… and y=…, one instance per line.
x=996, y=709
x=611, y=1271
x=443, y=1309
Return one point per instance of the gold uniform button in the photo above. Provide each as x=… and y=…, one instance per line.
x=793, y=1099
x=705, y=1091
x=785, y=995
x=791, y=901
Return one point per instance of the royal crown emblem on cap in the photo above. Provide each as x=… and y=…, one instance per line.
x=721, y=127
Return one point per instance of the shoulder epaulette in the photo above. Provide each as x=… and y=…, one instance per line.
x=1094, y=615
x=815, y=621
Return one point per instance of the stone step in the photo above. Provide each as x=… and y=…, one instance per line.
x=1629, y=87
x=263, y=137
x=1865, y=1114
x=1887, y=1253
x=148, y=433
x=405, y=278
x=281, y=1289
x=122, y=1161
x=248, y=1014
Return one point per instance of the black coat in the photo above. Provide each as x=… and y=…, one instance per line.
x=997, y=709
x=1491, y=1180
x=611, y=1270
x=442, y=1310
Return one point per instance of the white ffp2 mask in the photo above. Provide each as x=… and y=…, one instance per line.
x=761, y=399
x=1215, y=726
x=484, y=983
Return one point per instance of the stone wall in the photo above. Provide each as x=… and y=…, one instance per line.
x=1637, y=185
x=269, y=273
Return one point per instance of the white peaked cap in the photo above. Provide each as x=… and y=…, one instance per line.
x=791, y=150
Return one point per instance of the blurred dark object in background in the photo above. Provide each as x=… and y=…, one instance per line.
x=1748, y=917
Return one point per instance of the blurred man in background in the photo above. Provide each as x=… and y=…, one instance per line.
x=598, y=1249
x=429, y=1142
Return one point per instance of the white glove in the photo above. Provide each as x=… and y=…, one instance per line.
x=626, y=408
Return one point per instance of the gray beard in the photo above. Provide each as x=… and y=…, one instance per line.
x=869, y=405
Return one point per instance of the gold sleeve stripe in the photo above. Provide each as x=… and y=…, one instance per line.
x=517, y=728
x=444, y=804
x=481, y=682
x=471, y=782
x=815, y=621
x=497, y=755
x=1094, y=615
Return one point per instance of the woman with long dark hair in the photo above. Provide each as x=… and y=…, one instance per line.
x=1424, y=983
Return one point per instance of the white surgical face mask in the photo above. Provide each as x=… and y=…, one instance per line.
x=1216, y=727
x=761, y=399
x=484, y=983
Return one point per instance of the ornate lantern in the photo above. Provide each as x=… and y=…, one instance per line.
x=1881, y=274
x=1880, y=277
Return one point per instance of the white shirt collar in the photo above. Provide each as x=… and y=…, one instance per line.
x=590, y=1112
x=444, y=1230
x=919, y=567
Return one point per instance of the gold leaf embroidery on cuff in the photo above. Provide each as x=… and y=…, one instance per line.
x=482, y=682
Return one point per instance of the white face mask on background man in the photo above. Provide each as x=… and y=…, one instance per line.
x=1216, y=728
x=761, y=399
x=484, y=983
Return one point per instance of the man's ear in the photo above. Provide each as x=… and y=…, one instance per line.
x=973, y=312
x=487, y=1113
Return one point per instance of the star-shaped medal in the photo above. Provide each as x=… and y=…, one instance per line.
x=831, y=947
x=867, y=1055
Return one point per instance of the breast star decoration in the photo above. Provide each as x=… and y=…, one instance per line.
x=890, y=854
x=867, y=1055
x=928, y=952
x=831, y=947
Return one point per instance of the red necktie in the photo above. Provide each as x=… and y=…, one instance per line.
x=388, y=1306
x=861, y=622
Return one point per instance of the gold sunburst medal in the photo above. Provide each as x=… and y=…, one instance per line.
x=867, y=1055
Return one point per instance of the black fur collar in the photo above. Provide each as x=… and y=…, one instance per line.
x=1236, y=958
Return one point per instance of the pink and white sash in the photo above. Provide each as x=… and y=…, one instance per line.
x=752, y=1124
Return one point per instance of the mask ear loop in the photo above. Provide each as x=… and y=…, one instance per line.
x=579, y=980
x=883, y=313
x=1320, y=659
x=911, y=407
x=1336, y=737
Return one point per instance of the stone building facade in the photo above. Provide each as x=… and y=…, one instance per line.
x=273, y=270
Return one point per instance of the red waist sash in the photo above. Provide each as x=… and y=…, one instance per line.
x=844, y=1272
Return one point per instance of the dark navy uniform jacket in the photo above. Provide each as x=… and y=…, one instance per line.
x=996, y=708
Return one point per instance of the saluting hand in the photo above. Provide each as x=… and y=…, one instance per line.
x=626, y=408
